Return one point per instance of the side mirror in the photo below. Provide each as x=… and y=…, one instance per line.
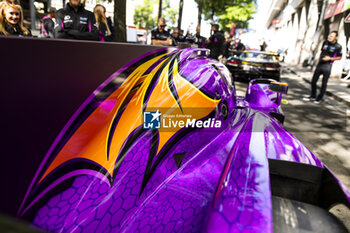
x=279, y=87
x=265, y=93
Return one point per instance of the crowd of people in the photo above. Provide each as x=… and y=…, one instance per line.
x=75, y=22
x=161, y=36
x=219, y=45
x=71, y=22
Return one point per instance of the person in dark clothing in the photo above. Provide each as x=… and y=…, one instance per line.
x=111, y=27
x=48, y=24
x=199, y=40
x=182, y=37
x=239, y=46
x=103, y=25
x=330, y=52
x=11, y=20
x=160, y=36
x=175, y=37
x=190, y=38
x=228, y=47
x=216, y=42
x=74, y=22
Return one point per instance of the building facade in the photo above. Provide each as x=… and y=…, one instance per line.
x=300, y=27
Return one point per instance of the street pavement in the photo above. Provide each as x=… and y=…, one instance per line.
x=323, y=128
x=337, y=88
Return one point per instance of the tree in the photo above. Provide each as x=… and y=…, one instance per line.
x=200, y=11
x=120, y=20
x=214, y=8
x=160, y=9
x=181, y=5
x=228, y=11
x=170, y=14
x=237, y=14
x=143, y=15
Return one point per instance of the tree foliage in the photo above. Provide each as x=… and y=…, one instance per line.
x=143, y=15
x=170, y=14
x=212, y=8
x=226, y=12
x=237, y=14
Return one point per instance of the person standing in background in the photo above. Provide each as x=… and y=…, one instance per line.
x=263, y=46
x=227, y=50
x=239, y=47
x=48, y=24
x=199, y=40
x=175, y=36
x=11, y=20
x=216, y=42
x=74, y=22
x=331, y=51
x=104, y=27
x=160, y=36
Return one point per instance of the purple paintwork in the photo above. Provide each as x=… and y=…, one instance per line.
x=221, y=185
x=79, y=111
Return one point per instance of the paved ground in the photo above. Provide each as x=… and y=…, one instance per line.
x=324, y=128
x=337, y=88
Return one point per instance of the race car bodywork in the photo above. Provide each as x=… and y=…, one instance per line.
x=252, y=64
x=165, y=145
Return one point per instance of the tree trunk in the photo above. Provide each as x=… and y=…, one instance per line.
x=200, y=9
x=160, y=9
x=181, y=5
x=120, y=20
x=212, y=20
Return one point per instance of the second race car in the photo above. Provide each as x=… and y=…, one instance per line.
x=252, y=64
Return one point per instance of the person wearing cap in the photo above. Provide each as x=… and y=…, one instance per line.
x=160, y=36
x=76, y=23
x=48, y=23
x=216, y=42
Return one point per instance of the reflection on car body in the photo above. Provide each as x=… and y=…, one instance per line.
x=254, y=64
x=114, y=171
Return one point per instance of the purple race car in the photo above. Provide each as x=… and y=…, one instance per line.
x=165, y=145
